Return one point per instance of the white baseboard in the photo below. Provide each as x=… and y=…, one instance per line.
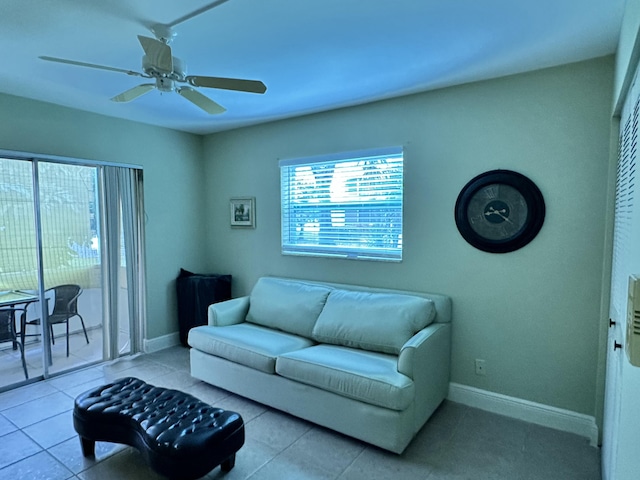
x=538, y=413
x=160, y=343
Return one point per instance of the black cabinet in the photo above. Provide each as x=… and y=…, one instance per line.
x=195, y=293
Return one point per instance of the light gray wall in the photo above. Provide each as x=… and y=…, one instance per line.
x=533, y=314
x=173, y=183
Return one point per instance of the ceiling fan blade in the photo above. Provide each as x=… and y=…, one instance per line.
x=251, y=86
x=134, y=92
x=158, y=53
x=188, y=16
x=200, y=100
x=91, y=65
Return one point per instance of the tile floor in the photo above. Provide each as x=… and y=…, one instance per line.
x=80, y=353
x=38, y=441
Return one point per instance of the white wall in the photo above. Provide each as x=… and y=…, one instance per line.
x=533, y=314
x=173, y=183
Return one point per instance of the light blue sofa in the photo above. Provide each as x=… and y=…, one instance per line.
x=370, y=363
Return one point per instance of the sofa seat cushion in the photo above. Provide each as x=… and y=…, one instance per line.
x=365, y=376
x=286, y=305
x=250, y=345
x=379, y=322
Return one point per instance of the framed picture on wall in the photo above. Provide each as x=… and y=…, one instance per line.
x=243, y=212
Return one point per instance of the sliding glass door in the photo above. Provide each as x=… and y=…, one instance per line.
x=70, y=275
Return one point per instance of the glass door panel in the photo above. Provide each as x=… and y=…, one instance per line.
x=18, y=271
x=72, y=270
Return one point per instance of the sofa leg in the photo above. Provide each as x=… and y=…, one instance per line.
x=228, y=464
x=88, y=447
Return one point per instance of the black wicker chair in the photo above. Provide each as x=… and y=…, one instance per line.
x=65, y=307
x=8, y=331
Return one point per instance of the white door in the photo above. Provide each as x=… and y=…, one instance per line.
x=621, y=430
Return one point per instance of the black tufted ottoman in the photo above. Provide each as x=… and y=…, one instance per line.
x=178, y=435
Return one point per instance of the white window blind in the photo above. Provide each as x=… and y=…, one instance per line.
x=344, y=205
x=624, y=263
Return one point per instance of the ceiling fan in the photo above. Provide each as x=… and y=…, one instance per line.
x=167, y=72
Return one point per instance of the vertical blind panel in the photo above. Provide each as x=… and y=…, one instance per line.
x=344, y=206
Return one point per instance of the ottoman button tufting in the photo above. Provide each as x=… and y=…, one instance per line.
x=186, y=442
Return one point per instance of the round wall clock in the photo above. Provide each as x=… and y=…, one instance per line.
x=499, y=211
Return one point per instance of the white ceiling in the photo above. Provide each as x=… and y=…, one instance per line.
x=312, y=55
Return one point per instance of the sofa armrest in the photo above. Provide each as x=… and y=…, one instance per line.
x=229, y=312
x=415, y=351
x=426, y=358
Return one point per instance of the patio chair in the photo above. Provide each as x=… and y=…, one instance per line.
x=65, y=307
x=8, y=332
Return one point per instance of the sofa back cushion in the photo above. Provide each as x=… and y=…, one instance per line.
x=286, y=305
x=377, y=322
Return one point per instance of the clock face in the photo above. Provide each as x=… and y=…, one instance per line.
x=499, y=211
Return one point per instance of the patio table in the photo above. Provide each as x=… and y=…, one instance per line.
x=13, y=298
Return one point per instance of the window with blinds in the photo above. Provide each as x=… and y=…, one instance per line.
x=344, y=205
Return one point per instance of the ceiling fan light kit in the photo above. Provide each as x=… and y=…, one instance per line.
x=167, y=71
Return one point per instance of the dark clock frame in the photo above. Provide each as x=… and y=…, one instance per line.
x=535, y=211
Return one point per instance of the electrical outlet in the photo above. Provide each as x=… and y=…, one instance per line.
x=480, y=367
